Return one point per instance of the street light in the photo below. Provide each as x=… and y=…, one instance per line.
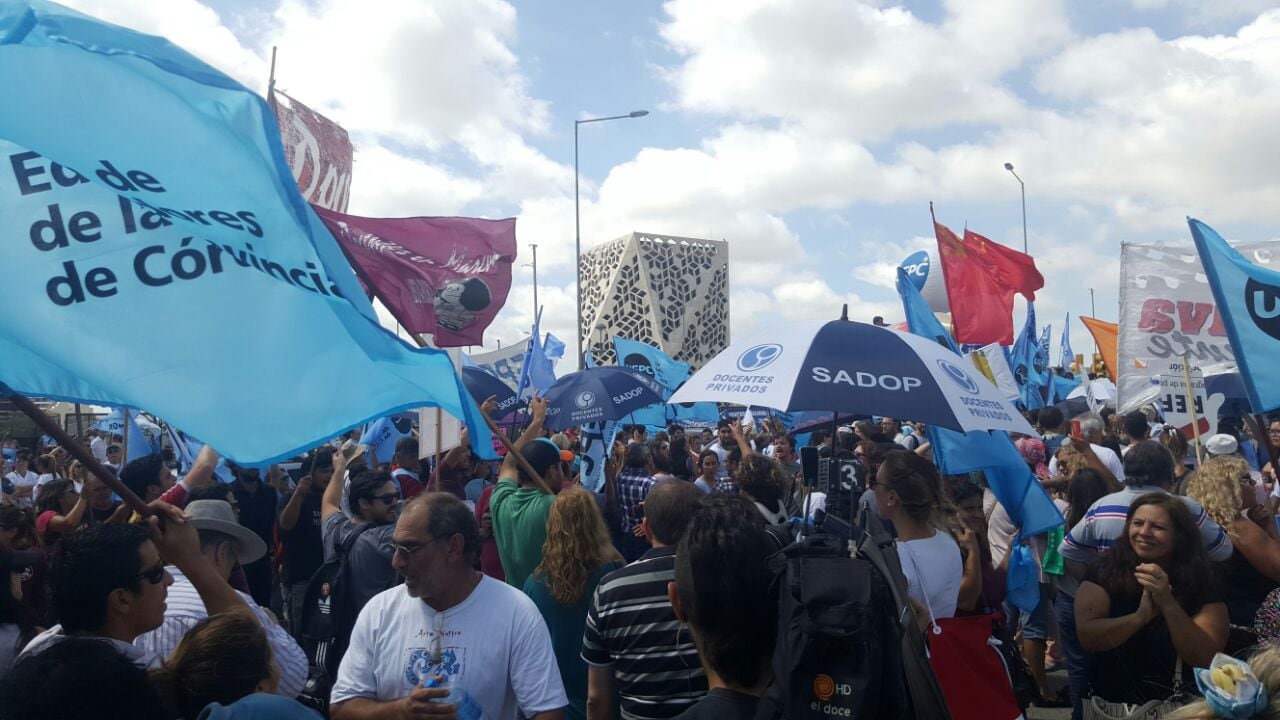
x=577, y=219
x=534, y=265
x=600, y=328
x=1009, y=167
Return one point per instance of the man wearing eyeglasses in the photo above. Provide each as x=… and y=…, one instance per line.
x=449, y=625
x=375, y=502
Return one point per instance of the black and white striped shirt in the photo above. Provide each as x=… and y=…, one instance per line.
x=632, y=629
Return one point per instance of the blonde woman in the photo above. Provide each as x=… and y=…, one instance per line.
x=576, y=554
x=1224, y=487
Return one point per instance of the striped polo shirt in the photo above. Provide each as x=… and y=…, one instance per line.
x=632, y=629
x=1104, y=523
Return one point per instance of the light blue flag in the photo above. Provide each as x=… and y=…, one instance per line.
x=696, y=416
x=1008, y=476
x=654, y=364
x=646, y=359
x=142, y=190
x=1027, y=364
x=1060, y=387
x=382, y=435
x=1248, y=298
x=1068, y=355
x=139, y=444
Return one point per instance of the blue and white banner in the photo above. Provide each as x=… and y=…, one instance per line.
x=1068, y=356
x=505, y=363
x=1248, y=299
x=143, y=193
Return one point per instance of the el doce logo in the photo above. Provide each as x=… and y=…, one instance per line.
x=1263, y=302
x=824, y=687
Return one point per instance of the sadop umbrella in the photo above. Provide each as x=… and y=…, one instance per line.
x=597, y=394
x=481, y=385
x=843, y=366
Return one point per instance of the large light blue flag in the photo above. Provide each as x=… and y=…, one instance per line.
x=1008, y=476
x=144, y=193
x=1028, y=365
x=139, y=444
x=1068, y=355
x=1248, y=299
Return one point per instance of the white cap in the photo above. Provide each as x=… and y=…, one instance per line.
x=1221, y=444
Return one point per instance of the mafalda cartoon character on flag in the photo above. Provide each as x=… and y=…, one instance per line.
x=457, y=303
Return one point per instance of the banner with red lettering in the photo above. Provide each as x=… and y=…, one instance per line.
x=318, y=151
x=1167, y=313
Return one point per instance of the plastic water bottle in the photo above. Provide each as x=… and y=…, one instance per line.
x=466, y=706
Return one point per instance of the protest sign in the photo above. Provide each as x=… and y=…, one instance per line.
x=1167, y=311
x=506, y=363
x=154, y=243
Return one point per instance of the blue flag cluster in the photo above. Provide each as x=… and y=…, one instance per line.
x=143, y=191
x=1030, y=362
x=1008, y=476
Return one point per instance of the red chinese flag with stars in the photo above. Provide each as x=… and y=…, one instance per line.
x=1016, y=272
x=981, y=309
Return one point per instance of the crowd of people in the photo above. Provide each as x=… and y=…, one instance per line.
x=454, y=586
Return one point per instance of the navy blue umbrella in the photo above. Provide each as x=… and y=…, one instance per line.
x=597, y=394
x=481, y=385
x=852, y=367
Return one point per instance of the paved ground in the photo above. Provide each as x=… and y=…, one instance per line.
x=1056, y=680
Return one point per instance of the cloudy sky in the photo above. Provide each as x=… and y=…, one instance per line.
x=809, y=134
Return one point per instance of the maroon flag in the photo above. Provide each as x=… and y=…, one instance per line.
x=318, y=151
x=444, y=276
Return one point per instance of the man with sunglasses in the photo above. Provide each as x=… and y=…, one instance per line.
x=375, y=503
x=463, y=632
x=109, y=583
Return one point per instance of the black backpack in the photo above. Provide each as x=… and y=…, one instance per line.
x=847, y=645
x=327, y=619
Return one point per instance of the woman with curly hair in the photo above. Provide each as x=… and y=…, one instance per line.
x=1224, y=486
x=1151, y=604
x=762, y=480
x=576, y=554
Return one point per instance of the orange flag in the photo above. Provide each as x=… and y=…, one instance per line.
x=1106, y=334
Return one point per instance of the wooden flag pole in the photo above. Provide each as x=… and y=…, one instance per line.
x=1191, y=407
x=439, y=442
x=77, y=449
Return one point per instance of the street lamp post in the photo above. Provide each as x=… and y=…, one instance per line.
x=600, y=328
x=1009, y=167
x=577, y=221
x=534, y=265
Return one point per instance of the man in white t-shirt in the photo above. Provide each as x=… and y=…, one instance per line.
x=98, y=446
x=23, y=479
x=1091, y=430
x=450, y=622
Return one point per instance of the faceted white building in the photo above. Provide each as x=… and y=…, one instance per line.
x=671, y=292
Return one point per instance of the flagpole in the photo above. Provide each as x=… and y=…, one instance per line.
x=77, y=449
x=1191, y=407
x=271, y=81
x=124, y=431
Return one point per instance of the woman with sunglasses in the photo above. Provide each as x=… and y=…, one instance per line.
x=1225, y=488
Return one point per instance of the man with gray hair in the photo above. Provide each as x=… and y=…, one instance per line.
x=449, y=635
x=1091, y=428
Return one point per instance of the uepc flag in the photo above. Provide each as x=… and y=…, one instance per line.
x=1248, y=300
x=652, y=362
x=152, y=236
